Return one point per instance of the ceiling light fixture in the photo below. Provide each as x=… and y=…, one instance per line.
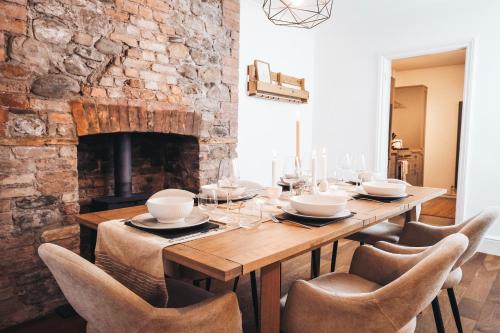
x=298, y=13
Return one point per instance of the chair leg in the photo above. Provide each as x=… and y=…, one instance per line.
x=454, y=309
x=437, y=315
x=235, y=285
x=255, y=299
x=208, y=283
x=315, y=262
x=334, y=256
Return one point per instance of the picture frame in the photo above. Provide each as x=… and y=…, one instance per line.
x=263, y=71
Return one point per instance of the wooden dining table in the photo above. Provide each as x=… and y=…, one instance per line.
x=228, y=255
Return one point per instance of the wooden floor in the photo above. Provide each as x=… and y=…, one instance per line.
x=478, y=296
x=440, y=207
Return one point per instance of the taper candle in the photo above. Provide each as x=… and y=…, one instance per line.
x=297, y=134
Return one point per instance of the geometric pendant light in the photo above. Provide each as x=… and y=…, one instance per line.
x=298, y=13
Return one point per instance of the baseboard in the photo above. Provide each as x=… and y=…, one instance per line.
x=490, y=245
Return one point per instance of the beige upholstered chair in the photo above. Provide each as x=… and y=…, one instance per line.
x=416, y=237
x=110, y=307
x=383, y=231
x=383, y=292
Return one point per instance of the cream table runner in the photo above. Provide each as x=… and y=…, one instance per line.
x=135, y=258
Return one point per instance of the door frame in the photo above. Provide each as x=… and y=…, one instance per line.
x=382, y=149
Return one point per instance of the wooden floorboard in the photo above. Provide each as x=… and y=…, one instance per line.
x=478, y=296
x=440, y=207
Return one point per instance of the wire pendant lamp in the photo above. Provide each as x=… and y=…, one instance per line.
x=298, y=13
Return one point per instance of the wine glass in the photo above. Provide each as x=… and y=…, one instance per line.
x=291, y=172
x=345, y=165
x=228, y=181
x=359, y=168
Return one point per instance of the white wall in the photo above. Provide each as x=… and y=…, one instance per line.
x=266, y=125
x=347, y=62
x=445, y=87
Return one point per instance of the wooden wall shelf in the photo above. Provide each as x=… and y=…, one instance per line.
x=282, y=87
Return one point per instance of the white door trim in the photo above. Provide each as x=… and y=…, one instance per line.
x=382, y=133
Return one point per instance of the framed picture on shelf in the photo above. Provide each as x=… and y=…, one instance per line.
x=262, y=71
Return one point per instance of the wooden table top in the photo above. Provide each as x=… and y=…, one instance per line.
x=230, y=254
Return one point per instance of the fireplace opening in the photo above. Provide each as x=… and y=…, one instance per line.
x=123, y=169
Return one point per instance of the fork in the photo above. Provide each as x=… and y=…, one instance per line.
x=276, y=220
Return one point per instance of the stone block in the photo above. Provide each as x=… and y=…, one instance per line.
x=83, y=38
x=178, y=51
x=60, y=233
x=55, y=86
x=51, y=31
x=152, y=46
x=107, y=46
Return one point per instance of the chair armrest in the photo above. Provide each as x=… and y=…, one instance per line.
x=420, y=234
x=310, y=309
x=380, y=266
x=397, y=248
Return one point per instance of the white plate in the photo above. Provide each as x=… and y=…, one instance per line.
x=147, y=221
x=289, y=210
x=366, y=194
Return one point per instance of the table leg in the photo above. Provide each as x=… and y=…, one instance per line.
x=315, y=263
x=411, y=215
x=270, y=292
x=88, y=239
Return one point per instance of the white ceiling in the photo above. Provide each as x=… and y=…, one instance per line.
x=431, y=60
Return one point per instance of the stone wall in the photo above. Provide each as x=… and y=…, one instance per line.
x=70, y=68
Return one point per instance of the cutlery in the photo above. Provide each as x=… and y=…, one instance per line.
x=276, y=219
x=187, y=237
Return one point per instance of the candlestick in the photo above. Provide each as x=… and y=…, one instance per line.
x=274, y=162
x=297, y=134
x=314, y=182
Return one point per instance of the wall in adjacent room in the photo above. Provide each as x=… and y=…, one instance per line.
x=347, y=62
x=445, y=87
x=270, y=125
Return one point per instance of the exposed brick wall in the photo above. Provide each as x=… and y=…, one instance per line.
x=72, y=68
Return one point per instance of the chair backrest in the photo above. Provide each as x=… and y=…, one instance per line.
x=407, y=296
x=110, y=307
x=475, y=228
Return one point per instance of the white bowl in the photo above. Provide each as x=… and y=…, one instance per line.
x=384, y=188
x=234, y=192
x=319, y=204
x=172, y=192
x=170, y=209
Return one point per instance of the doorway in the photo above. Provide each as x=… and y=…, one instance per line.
x=423, y=124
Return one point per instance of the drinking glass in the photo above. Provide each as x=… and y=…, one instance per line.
x=207, y=201
x=250, y=221
x=291, y=172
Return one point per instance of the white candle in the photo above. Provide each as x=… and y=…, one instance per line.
x=314, y=182
x=274, y=165
x=297, y=134
x=324, y=170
